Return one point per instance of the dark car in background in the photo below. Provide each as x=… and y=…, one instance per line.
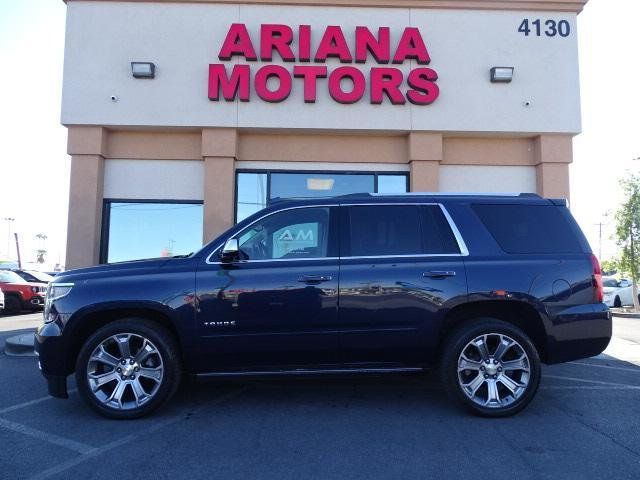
x=33, y=276
x=483, y=288
x=19, y=294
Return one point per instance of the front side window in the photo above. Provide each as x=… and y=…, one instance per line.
x=136, y=230
x=290, y=234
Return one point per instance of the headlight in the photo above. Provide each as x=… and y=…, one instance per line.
x=58, y=290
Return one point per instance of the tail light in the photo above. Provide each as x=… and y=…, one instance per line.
x=597, y=279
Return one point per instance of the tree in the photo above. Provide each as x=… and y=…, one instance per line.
x=628, y=233
x=610, y=266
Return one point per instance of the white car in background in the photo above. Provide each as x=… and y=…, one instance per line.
x=617, y=293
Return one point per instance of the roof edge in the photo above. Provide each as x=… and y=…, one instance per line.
x=574, y=6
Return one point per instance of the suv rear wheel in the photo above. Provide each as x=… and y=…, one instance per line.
x=128, y=368
x=491, y=367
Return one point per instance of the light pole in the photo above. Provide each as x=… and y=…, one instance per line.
x=9, y=220
x=600, y=225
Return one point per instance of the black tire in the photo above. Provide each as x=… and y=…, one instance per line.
x=617, y=303
x=12, y=305
x=167, y=349
x=460, y=338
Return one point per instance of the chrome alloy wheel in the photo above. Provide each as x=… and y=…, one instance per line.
x=493, y=370
x=125, y=371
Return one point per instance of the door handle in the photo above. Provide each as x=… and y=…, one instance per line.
x=315, y=278
x=439, y=274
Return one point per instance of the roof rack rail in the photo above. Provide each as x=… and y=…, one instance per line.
x=460, y=194
x=409, y=194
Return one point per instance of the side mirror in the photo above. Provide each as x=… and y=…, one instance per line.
x=230, y=251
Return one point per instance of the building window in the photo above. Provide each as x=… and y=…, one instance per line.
x=137, y=229
x=256, y=188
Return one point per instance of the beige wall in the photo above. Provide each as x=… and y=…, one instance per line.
x=87, y=146
x=424, y=153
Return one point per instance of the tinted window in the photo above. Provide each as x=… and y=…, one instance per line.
x=385, y=230
x=436, y=232
x=529, y=228
x=298, y=233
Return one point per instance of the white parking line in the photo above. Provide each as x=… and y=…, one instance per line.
x=587, y=387
x=585, y=380
x=81, y=448
x=624, y=369
x=96, y=452
x=29, y=403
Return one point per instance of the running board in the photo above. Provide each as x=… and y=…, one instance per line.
x=307, y=371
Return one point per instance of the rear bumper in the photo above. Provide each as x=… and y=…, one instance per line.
x=579, y=332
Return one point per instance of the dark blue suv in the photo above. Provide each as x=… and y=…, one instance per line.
x=485, y=288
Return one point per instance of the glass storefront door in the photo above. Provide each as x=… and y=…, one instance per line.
x=256, y=188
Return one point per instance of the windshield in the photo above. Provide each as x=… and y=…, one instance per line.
x=40, y=276
x=10, y=277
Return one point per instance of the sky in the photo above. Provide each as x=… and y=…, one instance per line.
x=34, y=182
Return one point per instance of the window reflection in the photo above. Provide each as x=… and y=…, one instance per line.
x=138, y=230
x=252, y=194
x=255, y=188
x=392, y=184
x=314, y=185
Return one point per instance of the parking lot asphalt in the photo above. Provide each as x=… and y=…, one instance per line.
x=584, y=423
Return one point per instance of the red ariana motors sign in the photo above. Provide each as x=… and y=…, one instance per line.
x=230, y=82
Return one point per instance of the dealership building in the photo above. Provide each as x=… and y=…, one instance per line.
x=185, y=117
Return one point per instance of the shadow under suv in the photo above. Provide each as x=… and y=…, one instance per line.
x=485, y=288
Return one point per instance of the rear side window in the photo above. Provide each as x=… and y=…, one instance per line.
x=529, y=228
x=377, y=230
x=388, y=230
x=436, y=232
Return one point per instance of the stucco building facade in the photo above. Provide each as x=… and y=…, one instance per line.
x=262, y=99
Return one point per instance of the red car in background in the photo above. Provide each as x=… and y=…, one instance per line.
x=19, y=294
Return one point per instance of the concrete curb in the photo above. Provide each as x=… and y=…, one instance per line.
x=20, y=345
x=626, y=314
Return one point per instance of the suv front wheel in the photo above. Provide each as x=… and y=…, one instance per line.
x=491, y=367
x=128, y=368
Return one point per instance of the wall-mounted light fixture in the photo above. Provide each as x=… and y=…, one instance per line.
x=143, y=69
x=501, y=74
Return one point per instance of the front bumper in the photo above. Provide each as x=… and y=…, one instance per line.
x=37, y=301
x=579, y=332
x=50, y=348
